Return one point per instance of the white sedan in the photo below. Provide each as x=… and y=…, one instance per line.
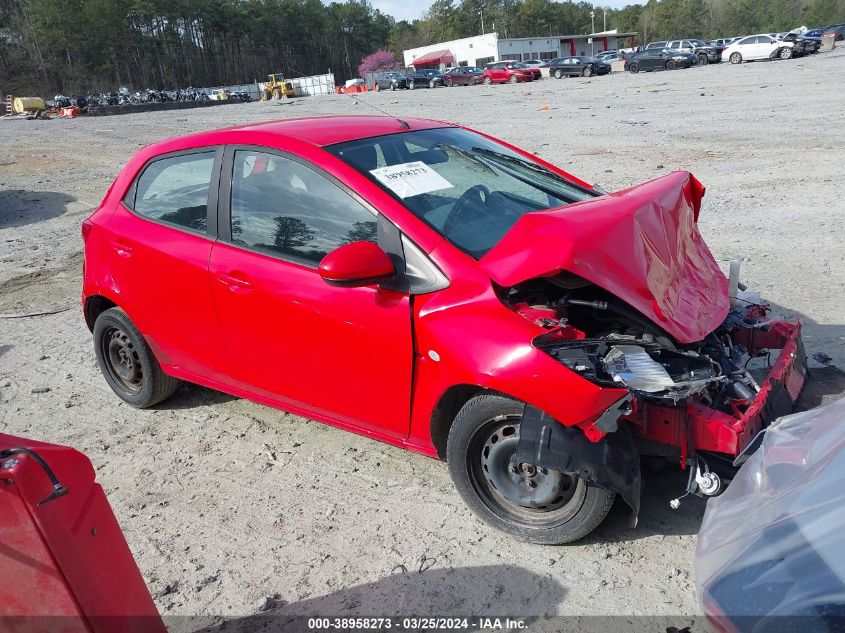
x=756, y=47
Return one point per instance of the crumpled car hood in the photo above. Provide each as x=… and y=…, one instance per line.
x=641, y=244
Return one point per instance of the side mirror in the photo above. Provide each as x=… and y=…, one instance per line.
x=356, y=264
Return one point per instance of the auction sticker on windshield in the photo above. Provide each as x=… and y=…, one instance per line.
x=410, y=179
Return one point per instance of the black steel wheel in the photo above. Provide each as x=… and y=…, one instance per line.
x=529, y=502
x=558, y=73
x=671, y=65
x=634, y=68
x=127, y=362
x=702, y=60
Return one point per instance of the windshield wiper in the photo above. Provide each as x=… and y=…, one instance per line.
x=496, y=156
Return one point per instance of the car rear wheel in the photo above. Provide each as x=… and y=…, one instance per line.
x=487, y=81
x=431, y=84
x=472, y=81
x=514, y=79
x=671, y=65
x=735, y=58
x=378, y=87
x=786, y=52
x=531, y=503
x=128, y=363
x=558, y=73
x=702, y=60
x=411, y=85
x=588, y=71
x=449, y=83
x=634, y=68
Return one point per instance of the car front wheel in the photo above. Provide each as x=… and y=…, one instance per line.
x=702, y=60
x=128, y=363
x=558, y=73
x=514, y=79
x=531, y=503
x=786, y=52
x=634, y=68
x=588, y=72
x=735, y=58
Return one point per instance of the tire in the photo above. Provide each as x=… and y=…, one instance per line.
x=378, y=87
x=128, y=363
x=735, y=58
x=449, y=83
x=431, y=84
x=588, y=72
x=277, y=94
x=558, y=73
x=702, y=60
x=481, y=441
x=786, y=52
x=634, y=68
x=392, y=85
x=513, y=79
x=411, y=85
x=472, y=81
x=671, y=65
x=487, y=81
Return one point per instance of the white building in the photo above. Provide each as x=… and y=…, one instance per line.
x=483, y=49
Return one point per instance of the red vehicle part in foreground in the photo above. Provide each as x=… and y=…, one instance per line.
x=64, y=563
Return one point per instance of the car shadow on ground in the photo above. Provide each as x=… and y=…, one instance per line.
x=433, y=592
x=19, y=208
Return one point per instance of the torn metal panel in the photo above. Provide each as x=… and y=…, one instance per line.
x=612, y=463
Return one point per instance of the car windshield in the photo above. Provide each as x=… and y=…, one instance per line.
x=469, y=189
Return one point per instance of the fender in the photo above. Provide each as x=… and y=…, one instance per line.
x=612, y=463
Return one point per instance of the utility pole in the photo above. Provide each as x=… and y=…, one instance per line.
x=481, y=10
x=605, y=20
x=593, y=30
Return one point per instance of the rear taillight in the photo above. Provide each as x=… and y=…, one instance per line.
x=87, y=225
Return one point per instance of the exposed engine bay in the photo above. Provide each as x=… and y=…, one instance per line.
x=685, y=400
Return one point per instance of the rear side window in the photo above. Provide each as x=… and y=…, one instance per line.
x=175, y=190
x=283, y=207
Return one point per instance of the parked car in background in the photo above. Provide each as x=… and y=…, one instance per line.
x=535, y=71
x=658, y=59
x=462, y=76
x=425, y=78
x=603, y=54
x=219, y=94
x=578, y=67
x=837, y=30
x=704, y=53
x=722, y=41
x=803, y=45
x=506, y=72
x=815, y=32
x=610, y=56
x=392, y=80
x=534, y=63
x=757, y=47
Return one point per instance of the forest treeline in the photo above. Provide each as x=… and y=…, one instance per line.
x=76, y=46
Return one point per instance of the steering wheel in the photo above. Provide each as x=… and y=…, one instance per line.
x=475, y=191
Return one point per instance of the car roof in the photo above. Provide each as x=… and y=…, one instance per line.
x=318, y=131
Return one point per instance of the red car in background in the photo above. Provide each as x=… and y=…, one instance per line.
x=440, y=290
x=508, y=72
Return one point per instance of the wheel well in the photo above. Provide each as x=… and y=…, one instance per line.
x=444, y=413
x=94, y=307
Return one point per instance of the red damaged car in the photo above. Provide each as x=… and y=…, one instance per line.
x=437, y=289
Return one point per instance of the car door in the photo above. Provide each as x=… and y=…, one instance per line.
x=649, y=59
x=160, y=239
x=766, y=46
x=345, y=354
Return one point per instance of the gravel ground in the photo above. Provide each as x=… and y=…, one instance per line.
x=342, y=524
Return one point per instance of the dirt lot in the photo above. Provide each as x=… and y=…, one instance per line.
x=342, y=524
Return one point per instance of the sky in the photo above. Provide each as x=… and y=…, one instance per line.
x=405, y=10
